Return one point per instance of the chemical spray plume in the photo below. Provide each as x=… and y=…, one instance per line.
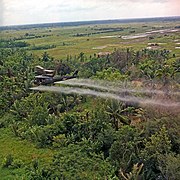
x=130, y=99
x=112, y=87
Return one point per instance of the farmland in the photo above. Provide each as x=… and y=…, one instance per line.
x=62, y=41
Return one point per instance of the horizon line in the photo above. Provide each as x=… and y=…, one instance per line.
x=86, y=21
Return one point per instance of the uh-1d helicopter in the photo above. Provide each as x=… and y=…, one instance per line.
x=46, y=76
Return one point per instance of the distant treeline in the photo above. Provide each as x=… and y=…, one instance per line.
x=109, y=29
x=79, y=23
x=23, y=44
x=99, y=31
x=12, y=44
x=31, y=36
x=42, y=47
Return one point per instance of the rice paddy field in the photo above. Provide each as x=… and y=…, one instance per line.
x=60, y=42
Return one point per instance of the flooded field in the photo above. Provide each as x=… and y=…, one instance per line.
x=134, y=37
x=99, y=47
x=104, y=37
x=148, y=33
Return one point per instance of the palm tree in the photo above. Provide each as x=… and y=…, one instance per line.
x=118, y=113
x=164, y=73
x=45, y=57
x=81, y=57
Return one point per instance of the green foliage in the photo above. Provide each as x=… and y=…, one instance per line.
x=16, y=75
x=81, y=56
x=104, y=141
x=169, y=166
x=31, y=107
x=90, y=68
x=38, y=116
x=37, y=172
x=110, y=74
x=124, y=151
x=12, y=44
x=60, y=141
x=159, y=143
x=41, y=135
x=34, y=122
x=42, y=47
x=118, y=113
x=8, y=160
x=45, y=57
x=156, y=146
x=76, y=163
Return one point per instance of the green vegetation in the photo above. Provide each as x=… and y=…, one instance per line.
x=12, y=44
x=46, y=135
x=93, y=39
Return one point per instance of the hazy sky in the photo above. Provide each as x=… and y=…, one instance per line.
x=14, y=12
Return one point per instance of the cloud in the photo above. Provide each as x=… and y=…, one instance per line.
x=69, y=7
x=130, y=1
x=40, y=11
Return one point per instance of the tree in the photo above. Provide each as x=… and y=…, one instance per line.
x=45, y=57
x=169, y=166
x=81, y=57
x=156, y=146
x=110, y=74
x=63, y=69
x=125, y=149
x=164, y=73
x=117, y=112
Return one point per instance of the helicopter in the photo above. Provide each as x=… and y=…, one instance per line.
x=47, y=76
